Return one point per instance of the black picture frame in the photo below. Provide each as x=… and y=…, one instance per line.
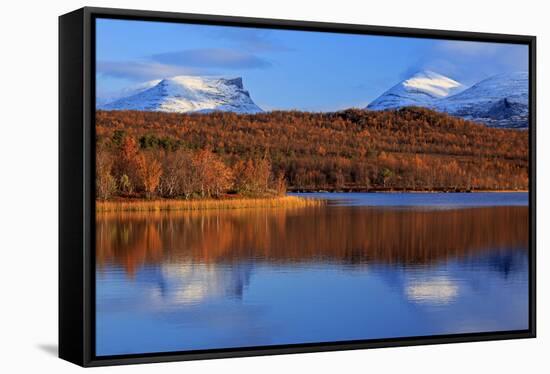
x=76, y=184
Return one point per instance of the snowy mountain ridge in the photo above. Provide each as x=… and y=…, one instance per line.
x=498, y=101
x=182, y=94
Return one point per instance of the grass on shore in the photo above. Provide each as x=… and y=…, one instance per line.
x=237, y=203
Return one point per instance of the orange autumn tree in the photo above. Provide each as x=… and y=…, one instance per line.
x=212, y=176
x=148, y=171
x=127, y=164
x=105, y=182
x=177, y=177
x=252, y=177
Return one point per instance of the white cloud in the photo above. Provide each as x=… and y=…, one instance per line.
x=143, y=70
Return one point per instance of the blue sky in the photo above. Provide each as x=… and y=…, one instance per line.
x=285, y=69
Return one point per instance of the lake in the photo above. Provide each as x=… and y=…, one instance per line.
x=365, y=266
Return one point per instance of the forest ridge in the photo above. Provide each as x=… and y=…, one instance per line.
x=155, y=154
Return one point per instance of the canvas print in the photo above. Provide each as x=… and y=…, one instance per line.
x=262, y=187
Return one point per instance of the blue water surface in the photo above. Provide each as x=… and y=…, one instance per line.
x=421, y=199
x=358, y=268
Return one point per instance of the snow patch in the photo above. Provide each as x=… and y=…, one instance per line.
x=422, y=89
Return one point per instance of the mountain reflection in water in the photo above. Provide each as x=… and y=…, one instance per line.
x=169, y=281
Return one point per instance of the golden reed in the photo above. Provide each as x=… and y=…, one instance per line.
x=238, y=203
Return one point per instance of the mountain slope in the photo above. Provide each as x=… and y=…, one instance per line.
x=421, y=89
x=500, y=101
x=110, y=97
x=189, y=94
x=346, y=150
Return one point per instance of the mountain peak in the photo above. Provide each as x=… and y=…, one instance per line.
x=432, y=83
x=186, y=93
x=420, y=89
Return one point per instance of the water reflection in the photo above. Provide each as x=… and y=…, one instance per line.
x=170, y=281
x=346, y=235
x=434, y=290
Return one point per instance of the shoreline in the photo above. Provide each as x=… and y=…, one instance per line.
x=397, y=191
x=142, y=205
x=288, y=201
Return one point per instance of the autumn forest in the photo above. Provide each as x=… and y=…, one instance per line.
x=221, y=154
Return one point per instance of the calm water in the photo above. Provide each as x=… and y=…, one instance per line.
x=366, y=266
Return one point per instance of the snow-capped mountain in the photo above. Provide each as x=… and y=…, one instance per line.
x=422, y=89
x=189, y=94
x=498, y=101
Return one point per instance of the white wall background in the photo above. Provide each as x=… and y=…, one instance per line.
x=28, y=183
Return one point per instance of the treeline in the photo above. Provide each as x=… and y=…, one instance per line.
x=407, y=149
